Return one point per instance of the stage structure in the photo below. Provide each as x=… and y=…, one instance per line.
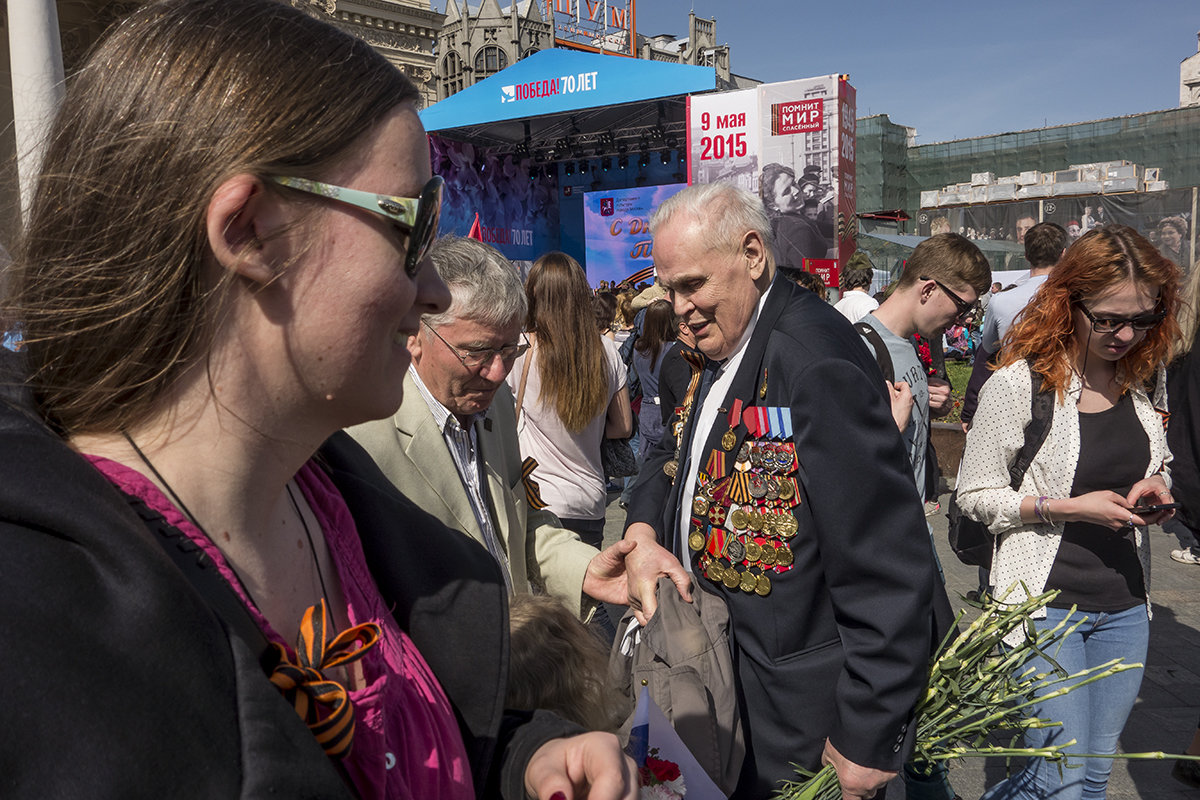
x=524, y=146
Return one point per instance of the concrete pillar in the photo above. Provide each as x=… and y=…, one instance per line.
x=37, y=83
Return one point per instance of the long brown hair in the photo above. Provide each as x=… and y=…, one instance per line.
x=111, y=281
x=570, y=356
x=658, y=328
x=1101, y=259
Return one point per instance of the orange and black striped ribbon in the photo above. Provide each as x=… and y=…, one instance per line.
x=697, y=361
x=533, y=492
x=323, y=704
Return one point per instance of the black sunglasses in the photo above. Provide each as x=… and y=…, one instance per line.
x=1142, y=322
x=417, y=217
x=963, y=306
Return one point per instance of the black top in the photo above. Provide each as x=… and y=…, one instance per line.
x=1097, y=568
x=1183, y=437
x=674, y=374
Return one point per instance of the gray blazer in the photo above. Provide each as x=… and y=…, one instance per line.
x=410, y=450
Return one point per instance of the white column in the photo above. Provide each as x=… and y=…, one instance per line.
x=37, y=83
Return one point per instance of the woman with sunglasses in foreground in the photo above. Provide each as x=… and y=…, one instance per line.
x=1095, y=336
x=208, y=590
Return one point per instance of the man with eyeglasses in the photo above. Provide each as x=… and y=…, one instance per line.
x=452, y=445
x=939, y=286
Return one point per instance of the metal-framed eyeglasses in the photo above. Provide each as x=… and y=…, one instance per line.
x=1142, y=322
x=474, y=359
x=415, y=217
x=963, y=306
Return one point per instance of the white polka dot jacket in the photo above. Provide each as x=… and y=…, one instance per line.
x=1025, y=552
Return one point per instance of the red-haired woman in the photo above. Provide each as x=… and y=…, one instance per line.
x=1096, y=335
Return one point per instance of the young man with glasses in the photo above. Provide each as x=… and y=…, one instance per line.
x=452, y=445
x=939, y=286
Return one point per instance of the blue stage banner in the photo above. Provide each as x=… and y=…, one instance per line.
x=517, y=216
x=617, y=230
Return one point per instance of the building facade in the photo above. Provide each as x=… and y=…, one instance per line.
x=476, y=44
x=1189, y=78
x=52, y=37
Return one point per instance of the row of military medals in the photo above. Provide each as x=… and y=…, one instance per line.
x=741, y=518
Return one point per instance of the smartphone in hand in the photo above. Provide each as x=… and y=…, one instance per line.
x=1143, y=510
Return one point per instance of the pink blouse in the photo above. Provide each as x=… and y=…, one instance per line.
x=407, y=745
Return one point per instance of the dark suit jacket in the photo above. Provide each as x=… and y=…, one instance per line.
x=840, y=646
x=119, y=681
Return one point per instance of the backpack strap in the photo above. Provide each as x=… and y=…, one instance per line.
x=1042, y=410
x=882, y=357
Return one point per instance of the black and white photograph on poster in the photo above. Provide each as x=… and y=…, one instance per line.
x=798, y=181
x=1165, y=218
x=1002, y=222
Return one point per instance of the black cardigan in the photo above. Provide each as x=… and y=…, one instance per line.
x=120, y=682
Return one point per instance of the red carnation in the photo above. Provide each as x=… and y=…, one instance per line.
x=663, y=770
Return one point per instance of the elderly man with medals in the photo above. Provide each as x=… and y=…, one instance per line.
x=787, y=492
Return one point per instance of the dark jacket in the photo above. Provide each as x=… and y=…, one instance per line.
x=120, y=682
x=1183, y=436
x=840, y=646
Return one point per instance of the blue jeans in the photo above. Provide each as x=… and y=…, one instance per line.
x=1093, y=715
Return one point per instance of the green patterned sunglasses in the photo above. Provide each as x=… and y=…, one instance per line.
x=415, y=216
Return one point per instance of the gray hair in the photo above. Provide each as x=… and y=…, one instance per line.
x=723, y=213
x=484, y=285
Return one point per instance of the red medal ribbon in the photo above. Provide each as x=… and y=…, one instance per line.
x=750, y=419
x=735, y=414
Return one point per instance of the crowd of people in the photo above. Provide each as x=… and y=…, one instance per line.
x=322, y=496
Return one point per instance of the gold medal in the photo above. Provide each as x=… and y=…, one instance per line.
x=740, y=519
x=783, y=555
x=754, y=551
x=731, y=578
x=696, y=541
x=755, y=521
x=769, y=554
x=729, y=438
x=714, y=572
x=699, y=505
x=786, y=490
x=763, y=587
x=748, y=583
x=671, y=467
x=787, y=526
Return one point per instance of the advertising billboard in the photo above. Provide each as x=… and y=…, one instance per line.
x=791, y=143
x=517, y=215
x=617, y=231
x=1165, y=218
